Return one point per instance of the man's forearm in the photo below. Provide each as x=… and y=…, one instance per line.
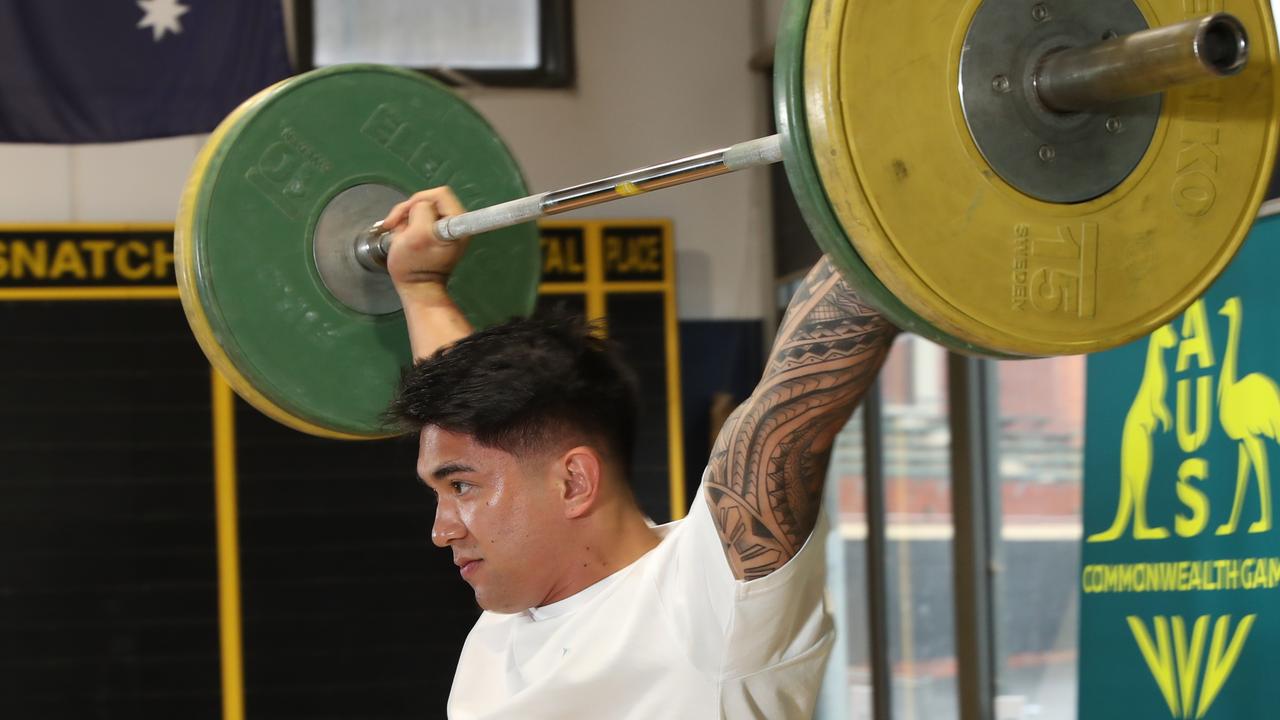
x=434, y=321
x=770, y=461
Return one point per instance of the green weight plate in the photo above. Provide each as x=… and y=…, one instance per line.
x=247, y=273
x=812, y=196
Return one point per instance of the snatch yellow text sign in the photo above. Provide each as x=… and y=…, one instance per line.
x=87, y=258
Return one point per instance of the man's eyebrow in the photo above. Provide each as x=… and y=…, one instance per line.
x=450, y=468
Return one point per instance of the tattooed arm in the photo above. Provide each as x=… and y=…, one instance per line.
x=770, y=460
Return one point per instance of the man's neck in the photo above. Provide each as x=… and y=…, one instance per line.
x=615, y=538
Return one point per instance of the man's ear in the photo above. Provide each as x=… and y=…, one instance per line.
x=582, y=476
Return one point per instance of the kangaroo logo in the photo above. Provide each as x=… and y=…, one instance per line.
x=1175, y=662
x=1147, y=411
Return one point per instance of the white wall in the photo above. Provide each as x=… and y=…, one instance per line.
x=656, y=80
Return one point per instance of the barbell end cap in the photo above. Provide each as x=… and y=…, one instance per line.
x=1222, y=45
x=372, y=248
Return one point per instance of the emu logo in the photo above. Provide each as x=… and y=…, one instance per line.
x=1176, y=665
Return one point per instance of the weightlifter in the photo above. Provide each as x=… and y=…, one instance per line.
x=526, y=435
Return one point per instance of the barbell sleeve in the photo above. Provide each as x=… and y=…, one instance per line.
x=1142, y=63
x=373, y=245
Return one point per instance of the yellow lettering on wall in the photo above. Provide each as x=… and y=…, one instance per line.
x=124, y=267
x=78, y=259
x=1196, y=341
x=1191, y=439
x=27, y=259
x=560, y=256
x=553, y=259
x=639, y=254
x=97, y=250
x=1193, y=497
x=161, y=259
x=67, y=261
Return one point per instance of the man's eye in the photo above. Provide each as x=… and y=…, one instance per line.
x=460, y=487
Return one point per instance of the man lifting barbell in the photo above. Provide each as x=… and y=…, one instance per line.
x=526, y=438
x=1054, y=179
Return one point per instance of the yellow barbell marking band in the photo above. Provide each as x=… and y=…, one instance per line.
x=627, y=189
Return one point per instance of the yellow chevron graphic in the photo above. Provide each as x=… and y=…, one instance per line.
x=1175, y=660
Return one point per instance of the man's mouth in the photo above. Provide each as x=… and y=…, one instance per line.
x=468, y=567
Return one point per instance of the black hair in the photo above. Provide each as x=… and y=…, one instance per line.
x=524, y=384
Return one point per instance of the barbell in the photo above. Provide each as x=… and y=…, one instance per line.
x=1007, y=178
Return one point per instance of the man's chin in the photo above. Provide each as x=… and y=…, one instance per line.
x=502, y=606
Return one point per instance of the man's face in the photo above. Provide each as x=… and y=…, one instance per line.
x=500, y=516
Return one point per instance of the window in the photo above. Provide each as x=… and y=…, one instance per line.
x=915, y=441
x=917, y=470
x=1040, y=450
x=491, y=42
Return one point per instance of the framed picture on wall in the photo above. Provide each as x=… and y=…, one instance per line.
x=504, y=43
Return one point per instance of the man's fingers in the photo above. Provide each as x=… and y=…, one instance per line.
x=423, y=213
x=396, y=216
x=441, y=201
x=447, y=203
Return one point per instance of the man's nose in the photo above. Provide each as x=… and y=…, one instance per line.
x=447, y=526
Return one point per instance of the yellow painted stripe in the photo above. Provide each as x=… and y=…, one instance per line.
x=607, y=287
x=85, y=227
x=636, y=286
x=675, y=414
x=559, y=288
x=168, y=292
x=595, y=273
x=224, y=480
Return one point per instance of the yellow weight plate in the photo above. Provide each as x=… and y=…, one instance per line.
x=984, y=262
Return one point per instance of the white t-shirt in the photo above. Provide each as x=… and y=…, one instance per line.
x=673, y=635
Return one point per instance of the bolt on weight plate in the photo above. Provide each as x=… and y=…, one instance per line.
x=306, y=346
x=980, y=260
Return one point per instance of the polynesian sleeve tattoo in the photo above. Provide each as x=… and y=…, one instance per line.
x=770, y=459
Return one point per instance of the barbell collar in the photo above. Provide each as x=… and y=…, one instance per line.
x=374, y=244
x=1142, y=63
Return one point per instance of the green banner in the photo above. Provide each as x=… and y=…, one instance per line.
x=1180, y=577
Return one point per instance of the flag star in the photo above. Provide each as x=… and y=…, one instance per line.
x=161, y=16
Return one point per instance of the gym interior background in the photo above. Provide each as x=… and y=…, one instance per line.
x=957, y=489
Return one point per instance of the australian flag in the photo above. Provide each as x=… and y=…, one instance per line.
x=76, y=71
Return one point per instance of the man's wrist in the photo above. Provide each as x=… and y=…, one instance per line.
x=426, y=291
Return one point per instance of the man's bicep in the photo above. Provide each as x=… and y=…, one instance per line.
x=764, y=487
x=767, y=470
